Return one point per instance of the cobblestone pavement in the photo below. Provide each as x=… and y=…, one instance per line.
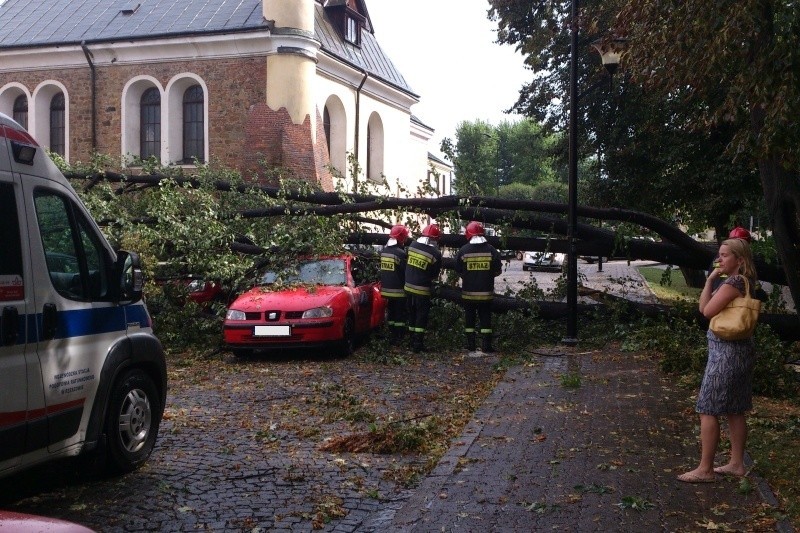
x=602, y=456
x=241, y=449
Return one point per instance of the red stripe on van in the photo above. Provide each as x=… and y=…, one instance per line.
x=17, y=417
x=12, y=419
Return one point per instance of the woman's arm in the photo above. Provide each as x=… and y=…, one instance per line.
x=712, y=303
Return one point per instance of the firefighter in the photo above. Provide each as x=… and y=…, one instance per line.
x=478, y=263
x=422, y=269
x=393, y=275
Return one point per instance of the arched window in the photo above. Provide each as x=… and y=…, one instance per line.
x=150, y=124
x=21, y=110
x=57, y=125
x=326, y=124
x=375, y=148
x=334, y=122
x=193, y=126
x=370, y=156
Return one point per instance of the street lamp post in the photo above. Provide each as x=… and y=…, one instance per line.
x=611, y=57
x=572, y=194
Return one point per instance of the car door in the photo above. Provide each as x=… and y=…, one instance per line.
x=364, y=280
x=15, y=295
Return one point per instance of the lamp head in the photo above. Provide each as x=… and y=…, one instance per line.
x=611, y=52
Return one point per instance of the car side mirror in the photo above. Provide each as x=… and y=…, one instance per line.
x=130, y=276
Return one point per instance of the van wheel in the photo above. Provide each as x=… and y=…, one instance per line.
x=132, y=421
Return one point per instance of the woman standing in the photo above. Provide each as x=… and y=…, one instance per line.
x=727, y=382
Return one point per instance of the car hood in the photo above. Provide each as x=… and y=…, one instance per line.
x=297, y=299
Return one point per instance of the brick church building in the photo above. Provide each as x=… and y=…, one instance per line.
x=295, y=84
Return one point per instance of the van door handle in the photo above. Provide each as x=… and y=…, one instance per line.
x=49, y=321
x=10, y=325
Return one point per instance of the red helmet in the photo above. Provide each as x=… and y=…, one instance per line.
x=474, y=229
x=740, y=233
x=399, y=233
x=432, y=231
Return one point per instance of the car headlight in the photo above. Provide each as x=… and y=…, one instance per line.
x=318, y=312
x=233, y=314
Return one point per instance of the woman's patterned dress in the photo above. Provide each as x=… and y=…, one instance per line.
x=728, y=379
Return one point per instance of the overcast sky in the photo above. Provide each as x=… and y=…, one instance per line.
x=445, y=49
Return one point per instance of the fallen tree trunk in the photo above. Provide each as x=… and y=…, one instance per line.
x=677, y=249
x=659, y=252
x=783, y=325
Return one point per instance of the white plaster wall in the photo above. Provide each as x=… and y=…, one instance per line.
x=405, y=158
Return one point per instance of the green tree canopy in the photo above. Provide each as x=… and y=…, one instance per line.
x=709, y=100
x=487, y=158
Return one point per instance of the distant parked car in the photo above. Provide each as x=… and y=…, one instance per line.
x=26, y=523
x=545, y=261
x=324, y=303
x=180, y=288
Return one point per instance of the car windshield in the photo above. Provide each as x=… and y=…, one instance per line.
x=319, y=272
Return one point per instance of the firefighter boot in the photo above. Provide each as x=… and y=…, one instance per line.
x=398, y=333
x=487, y=343
x=471, y=342
x=417, y=343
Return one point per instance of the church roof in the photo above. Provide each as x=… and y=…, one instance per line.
x=44, y=23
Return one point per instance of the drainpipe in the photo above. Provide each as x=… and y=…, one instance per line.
x=358, y=122
x=89, y=58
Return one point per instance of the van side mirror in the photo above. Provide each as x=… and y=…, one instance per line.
x=130, y=276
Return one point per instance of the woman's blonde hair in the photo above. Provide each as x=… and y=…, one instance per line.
x=741, y=249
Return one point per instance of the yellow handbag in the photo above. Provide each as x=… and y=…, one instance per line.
x=737, y=321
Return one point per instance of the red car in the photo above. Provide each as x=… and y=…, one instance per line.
x=324, y=303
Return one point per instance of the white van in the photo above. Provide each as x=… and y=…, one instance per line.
x=80, y=368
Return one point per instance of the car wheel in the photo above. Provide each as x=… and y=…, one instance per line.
x=242, y=353
x=348, y=343
x=132, y=421
x=519, y=256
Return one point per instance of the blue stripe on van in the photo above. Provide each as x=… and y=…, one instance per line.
x=82, y=322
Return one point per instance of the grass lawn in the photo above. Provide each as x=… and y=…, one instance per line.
x=774, y=424
x=668, y=290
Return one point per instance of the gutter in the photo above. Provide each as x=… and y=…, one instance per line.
x=89, y=58
x=133, y=38
x=358, y=122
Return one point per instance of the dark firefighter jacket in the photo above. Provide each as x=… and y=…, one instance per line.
x=423, y=267
x=393, y=271
x=478, y=264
